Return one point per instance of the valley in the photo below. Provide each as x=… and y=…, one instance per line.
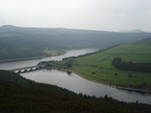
x=98, y=67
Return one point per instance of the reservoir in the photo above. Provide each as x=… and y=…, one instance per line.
x=74, y=82
x=77, y=84
x=28, y=63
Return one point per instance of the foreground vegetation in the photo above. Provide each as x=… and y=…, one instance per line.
x=19, y=95
x=98, y=67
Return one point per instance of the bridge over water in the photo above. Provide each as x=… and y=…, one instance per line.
x=26, y=69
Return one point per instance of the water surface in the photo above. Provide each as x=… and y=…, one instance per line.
x=77, y=84
x=27, y=63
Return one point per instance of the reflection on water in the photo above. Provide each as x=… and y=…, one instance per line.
x=77, y=84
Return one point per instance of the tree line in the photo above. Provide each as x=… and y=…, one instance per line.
x=131, y=66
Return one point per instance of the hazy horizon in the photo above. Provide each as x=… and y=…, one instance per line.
x=106, y=15
x=124, y=31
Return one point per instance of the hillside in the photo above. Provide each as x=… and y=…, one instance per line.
x=144, y=41
x=98, y=66
x=22, y=42
x=19, y=95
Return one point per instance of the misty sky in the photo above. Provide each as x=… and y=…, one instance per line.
x=109, y=15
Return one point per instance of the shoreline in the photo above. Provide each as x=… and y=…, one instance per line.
x=28, y=58
x=21, y=59
x=142, y=91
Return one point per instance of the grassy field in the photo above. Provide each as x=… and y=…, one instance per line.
x=98, y=67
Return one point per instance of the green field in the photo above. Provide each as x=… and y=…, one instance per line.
x=99, y=66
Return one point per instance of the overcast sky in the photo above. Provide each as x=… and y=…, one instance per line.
x=109, y=15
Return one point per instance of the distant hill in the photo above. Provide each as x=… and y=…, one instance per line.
x=19, y=42
x=132, y=31
x=19, y=95
x=144, y=41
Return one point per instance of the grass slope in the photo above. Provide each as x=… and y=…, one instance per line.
x=19, y=95
x=98, y=67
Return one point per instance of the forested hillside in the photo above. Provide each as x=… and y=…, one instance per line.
x=20, y=42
